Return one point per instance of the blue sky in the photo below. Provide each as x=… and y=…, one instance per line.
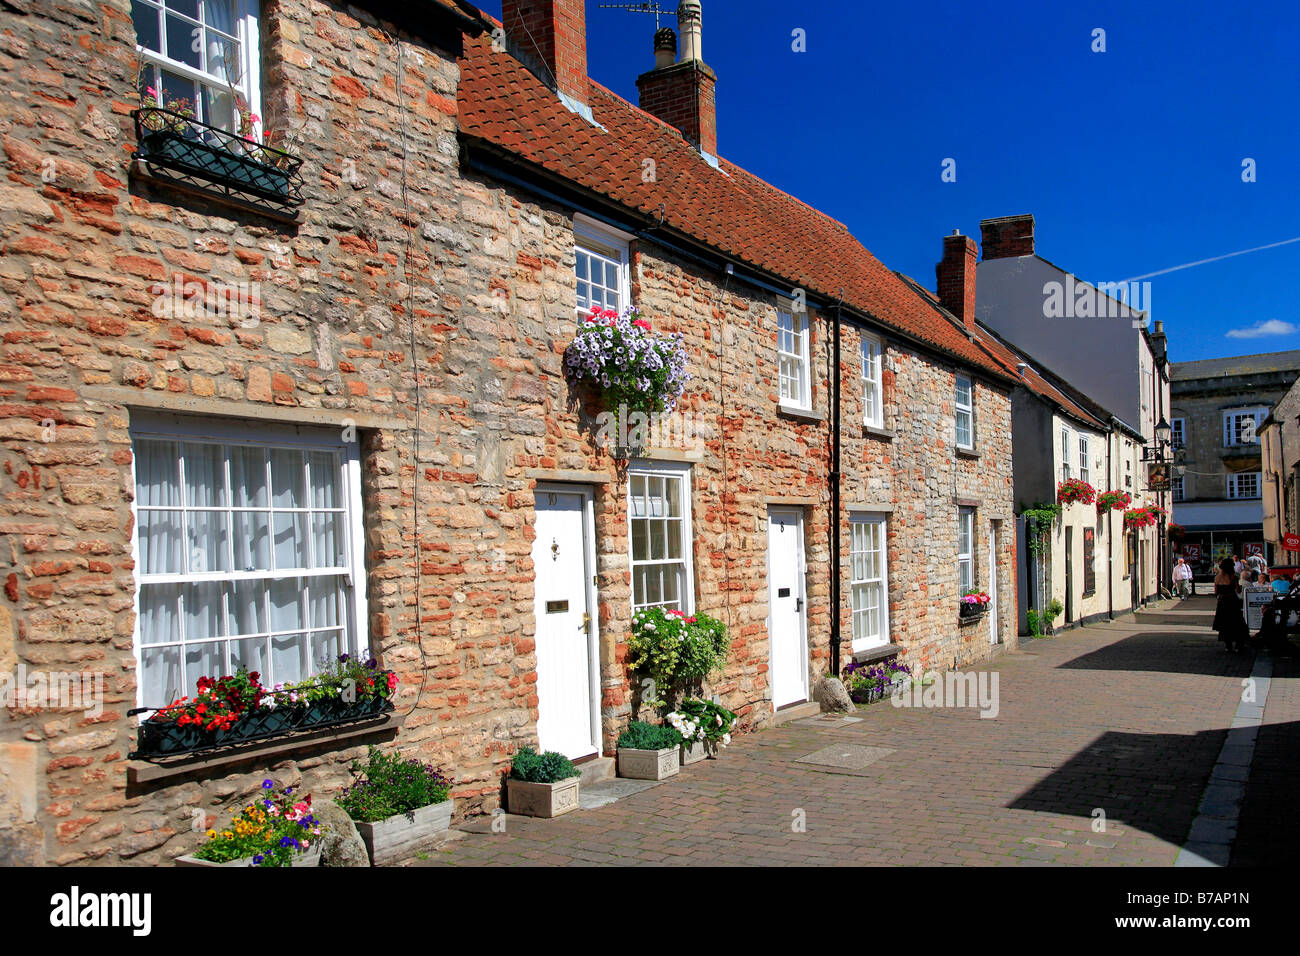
x=1130, y=160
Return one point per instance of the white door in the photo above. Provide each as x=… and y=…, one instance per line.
x=567, y=704
x=789, y=645
x=993, y=583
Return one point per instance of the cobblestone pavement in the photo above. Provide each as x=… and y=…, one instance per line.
x=1122, y=719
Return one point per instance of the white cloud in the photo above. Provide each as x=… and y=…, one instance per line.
x=1265, y=329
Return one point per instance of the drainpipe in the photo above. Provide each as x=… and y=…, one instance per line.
x=1110, y=526
x=835, y=495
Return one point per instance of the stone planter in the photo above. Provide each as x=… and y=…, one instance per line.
x=542, y=799
x=403, y=836
x=648, y=764
x=310, y=858
x=694, y=753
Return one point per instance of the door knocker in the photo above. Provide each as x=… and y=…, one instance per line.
x=555, y=550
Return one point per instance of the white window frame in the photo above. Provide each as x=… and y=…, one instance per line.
x=1232, y=424
x=880, y=522
x=182, y=428
x=247, y=32
x=595, y=239
x=1084, y=470
x=959, y=409
x=873, y=392
x=800, y=331
x=1176, y=487
x=1065, y=452
x=1178, y=432
x=1234, y=485
x=657, y=469
x=965, y=559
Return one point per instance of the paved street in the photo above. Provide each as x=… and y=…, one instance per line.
x=1124, y=718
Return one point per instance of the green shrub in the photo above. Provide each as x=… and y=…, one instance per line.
x=643, y=736
x=1054, y=610
x=548, y=767
x=1035, y=625
x=391, y=784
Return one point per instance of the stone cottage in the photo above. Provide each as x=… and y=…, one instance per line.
x=261, y=414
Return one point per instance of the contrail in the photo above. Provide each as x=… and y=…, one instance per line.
x=1201, y=262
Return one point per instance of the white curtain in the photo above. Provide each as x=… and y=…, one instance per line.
x=225, y=61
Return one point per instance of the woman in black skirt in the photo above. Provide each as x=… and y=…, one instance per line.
x=1228, y=619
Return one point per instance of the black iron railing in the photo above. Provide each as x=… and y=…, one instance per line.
x=205, y=158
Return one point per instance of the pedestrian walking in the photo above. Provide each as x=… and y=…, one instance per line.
x=1183, y=583
x=1228, y=620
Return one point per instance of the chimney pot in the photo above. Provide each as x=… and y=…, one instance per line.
x=665, y=47
x=690, y=20
x=682, y=94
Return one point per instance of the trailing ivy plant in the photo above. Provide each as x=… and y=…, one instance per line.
x=1038, y=525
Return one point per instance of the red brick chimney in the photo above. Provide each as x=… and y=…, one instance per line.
x=1007, y=237
x=682, y=93
x=550, y=36
x=956, y=277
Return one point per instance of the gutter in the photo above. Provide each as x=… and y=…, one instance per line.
x=835, y=496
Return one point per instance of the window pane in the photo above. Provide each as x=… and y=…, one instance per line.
x=160, y=542
x=290, y=533
x=161, y=680
x=250, y=653
x=328, y=538
x=176, y=87
x=160, y=613
x=204, y=611
x=248, y=476
x=184, y=42
x=203, y=660
x=639, y=541
x=205, y=475
x=157, y=474
x=209, y=541
x=252, y=531
x=287, y=478
x=145, y=19
x=247, y=607
x=286, y=604
x=291, y=658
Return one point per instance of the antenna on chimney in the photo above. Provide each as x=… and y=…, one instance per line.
x=650, y=6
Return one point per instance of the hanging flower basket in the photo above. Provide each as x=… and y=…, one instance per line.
x=1145, y=517
x=636, y=371
x=1113, y=500
x=1075, y=490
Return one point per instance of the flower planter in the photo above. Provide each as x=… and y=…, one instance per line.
x=542, y=799
x=404, y=835
x=215, y=163
x=694, y=753
x=648, y=764
x=310, y=858
x=158, y=738
x=970, y=613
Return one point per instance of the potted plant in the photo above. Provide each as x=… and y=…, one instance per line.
x=868, y=683
x=1075, y=489
x=648, y=751
x=705, y=728
x=399, y=805
x=675, y=650
x=633, y=368
x=542, y=785
x=974, y=604
x=274, y=830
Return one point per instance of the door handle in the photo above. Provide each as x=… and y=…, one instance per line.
x=586, y=622
x=798, y=604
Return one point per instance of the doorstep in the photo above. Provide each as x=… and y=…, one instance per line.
x=604, y=792
x=795, y=712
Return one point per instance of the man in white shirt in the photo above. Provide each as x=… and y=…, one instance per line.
x=1183, y=582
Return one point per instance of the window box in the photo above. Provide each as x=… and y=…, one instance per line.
x=213, y=160
x=157, y=738
x=969, y=612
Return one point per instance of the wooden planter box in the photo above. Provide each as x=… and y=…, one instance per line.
x=542, y=799
x=403, y=836
x=310, y=858
x=648, y=764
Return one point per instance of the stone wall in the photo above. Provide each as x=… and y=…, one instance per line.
x=428, y=308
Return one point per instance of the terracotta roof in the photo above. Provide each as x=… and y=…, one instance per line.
x=726, y=208
x=1009, y=359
